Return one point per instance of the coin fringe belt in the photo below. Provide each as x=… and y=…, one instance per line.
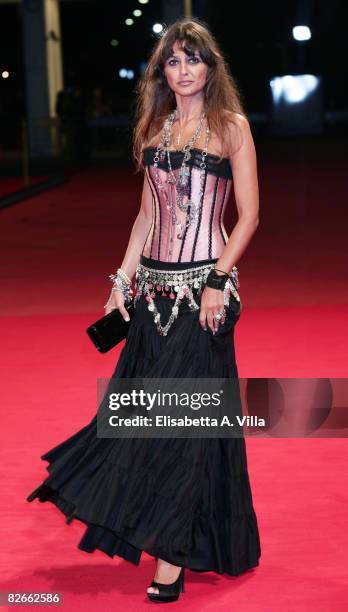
x=177, y=284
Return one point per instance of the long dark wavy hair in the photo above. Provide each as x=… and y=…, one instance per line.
x=155, y=100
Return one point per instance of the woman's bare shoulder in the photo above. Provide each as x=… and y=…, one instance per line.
x=236, y=118
x=238, y=126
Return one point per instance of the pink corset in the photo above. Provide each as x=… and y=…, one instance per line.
x=205, y=238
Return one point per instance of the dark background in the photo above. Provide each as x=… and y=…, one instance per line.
x=255, y=37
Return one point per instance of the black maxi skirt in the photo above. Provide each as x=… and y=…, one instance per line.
x=185, y=500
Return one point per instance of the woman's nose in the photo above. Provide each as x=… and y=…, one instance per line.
x=183, y=69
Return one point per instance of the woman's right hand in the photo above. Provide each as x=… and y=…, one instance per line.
x=116, y=300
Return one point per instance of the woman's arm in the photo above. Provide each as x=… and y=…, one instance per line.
x=140, y=231
x=246, y=191
x=244, y=167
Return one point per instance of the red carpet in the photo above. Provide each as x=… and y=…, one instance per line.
x=11, y=184
x=56, y=253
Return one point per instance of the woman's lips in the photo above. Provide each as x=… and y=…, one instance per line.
x=185, y=82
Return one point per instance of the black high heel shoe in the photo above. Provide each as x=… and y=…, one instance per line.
x=168, y=592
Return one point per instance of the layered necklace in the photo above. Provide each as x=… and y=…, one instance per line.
x=190, y=207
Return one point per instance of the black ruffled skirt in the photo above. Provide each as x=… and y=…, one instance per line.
x=185, y=500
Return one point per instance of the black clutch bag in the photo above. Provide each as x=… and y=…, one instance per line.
x=110, y=329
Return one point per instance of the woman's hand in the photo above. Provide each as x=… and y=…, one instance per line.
x=116, y=300
x=212, y=303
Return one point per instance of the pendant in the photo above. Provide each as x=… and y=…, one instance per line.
x=183, y=175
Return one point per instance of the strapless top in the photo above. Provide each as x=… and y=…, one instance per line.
x=206, y=236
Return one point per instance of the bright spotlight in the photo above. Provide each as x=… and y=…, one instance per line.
x=143, y=1
x=297, y=104
x=123, y=73
x=137, y=13
x=129, y=21
x=114, y=42
x=130, y=74
x=292, y=89
x=157, y=28
x=301, y=32
x=5, y=74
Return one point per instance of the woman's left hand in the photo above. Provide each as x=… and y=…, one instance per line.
x=212, y=303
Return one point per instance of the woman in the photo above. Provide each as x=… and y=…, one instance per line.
x=187, y=502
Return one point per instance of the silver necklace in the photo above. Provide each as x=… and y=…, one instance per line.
x=191, y=208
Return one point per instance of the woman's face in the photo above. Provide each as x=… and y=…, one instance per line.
x=186, y=74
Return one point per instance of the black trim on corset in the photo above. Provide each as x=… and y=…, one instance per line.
x=222, y=168
x=150, y=262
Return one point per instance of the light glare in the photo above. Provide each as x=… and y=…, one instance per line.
x=157, y=28
x=301, y=32
x=293, y=89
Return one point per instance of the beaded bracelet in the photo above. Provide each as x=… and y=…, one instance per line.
x=122, y=283
x=124, y=275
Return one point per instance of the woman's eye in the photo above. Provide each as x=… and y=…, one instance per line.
x=194, y=58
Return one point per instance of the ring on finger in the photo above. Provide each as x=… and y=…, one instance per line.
x=219, y=315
